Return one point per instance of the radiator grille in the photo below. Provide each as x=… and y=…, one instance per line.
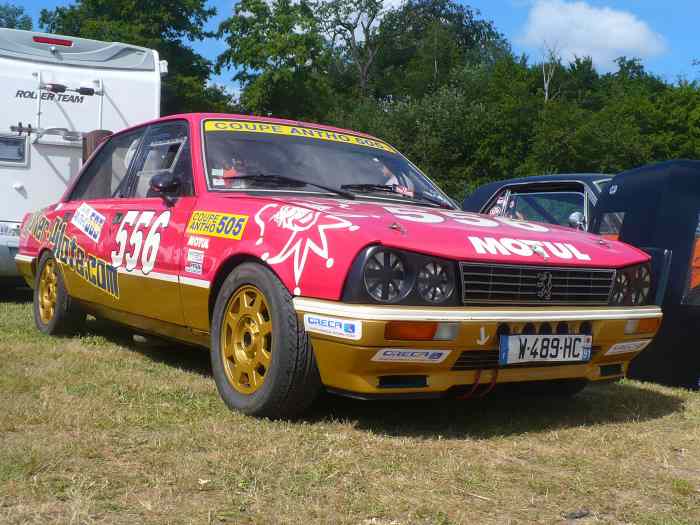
x=476, y=359
x=505, y=284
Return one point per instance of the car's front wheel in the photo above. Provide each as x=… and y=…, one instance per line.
x=262, y=360
x=55, y=312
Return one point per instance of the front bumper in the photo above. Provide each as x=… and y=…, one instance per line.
x=9, y=246
x=25, y=267
x=345, y=352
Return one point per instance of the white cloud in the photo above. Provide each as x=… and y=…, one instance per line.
x=579, y=29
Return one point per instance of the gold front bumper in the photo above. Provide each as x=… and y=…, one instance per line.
x=345, y=360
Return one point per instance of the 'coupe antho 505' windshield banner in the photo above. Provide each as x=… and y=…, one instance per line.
x=293, y=131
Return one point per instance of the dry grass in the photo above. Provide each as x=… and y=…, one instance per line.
x=98, y=429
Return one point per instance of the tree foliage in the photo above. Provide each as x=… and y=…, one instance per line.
x=430, y=76
x=280, y=55
x=14, y=17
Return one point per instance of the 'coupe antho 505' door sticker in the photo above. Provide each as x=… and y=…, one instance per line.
x=247, y=126
x=131, y=246
x=217, y=224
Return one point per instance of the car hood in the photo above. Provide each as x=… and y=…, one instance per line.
x=453, y=234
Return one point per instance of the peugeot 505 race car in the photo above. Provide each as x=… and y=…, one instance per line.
x=307, y=257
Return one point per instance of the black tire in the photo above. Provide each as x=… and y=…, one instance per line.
x=292, y=382
x=559, y=387
x=68, y=318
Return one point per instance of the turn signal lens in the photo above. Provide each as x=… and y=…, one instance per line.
x=649, y=325
x=410, y=331
x=642, y=326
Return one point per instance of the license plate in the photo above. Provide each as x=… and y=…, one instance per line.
x=544, y=348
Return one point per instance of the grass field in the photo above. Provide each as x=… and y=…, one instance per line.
x=97, y=429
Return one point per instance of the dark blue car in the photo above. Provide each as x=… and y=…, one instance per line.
x=565, y=199
x=657, y=209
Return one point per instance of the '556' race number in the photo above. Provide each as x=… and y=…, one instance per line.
x=131, y=246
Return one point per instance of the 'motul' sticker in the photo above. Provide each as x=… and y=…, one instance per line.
x=293, y=131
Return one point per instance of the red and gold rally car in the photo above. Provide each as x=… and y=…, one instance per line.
x=306, y=257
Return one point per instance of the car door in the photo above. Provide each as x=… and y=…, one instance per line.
x=80, y=224
x=145, y=235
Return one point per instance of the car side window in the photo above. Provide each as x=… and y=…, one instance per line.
x=611, y=224
x=103, y=177
x=166, y=149
x=549, y=207
x=497, y=206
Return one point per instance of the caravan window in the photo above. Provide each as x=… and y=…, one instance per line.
x=13, y=150
x=102, y=178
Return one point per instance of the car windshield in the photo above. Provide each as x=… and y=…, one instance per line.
x=246, y=155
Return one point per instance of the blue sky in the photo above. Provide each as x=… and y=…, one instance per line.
x=664, y=33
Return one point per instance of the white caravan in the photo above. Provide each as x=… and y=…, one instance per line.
x=53, y=90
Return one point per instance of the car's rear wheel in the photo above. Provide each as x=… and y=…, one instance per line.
x=262, y=360
x=55, y=313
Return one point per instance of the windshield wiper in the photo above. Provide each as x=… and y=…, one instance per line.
x=433, y=200
x=393, y=188
x=282, y=180
x=371, y=187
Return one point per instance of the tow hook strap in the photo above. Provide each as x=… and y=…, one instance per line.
x=492, y=384
x=469, y=394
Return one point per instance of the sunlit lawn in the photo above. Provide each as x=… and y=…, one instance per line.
x=99, y=429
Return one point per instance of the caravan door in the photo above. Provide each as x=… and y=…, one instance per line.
x=53, y=90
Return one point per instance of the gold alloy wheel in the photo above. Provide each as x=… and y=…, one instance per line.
x=47, y=292
x=246, y=340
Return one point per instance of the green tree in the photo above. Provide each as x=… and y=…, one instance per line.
x=168, y=26
x=424, y=40
x=280, y=56
x=14, y=17
x=442, y=85
x=353, y=27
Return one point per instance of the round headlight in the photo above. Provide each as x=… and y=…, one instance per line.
x=435, y=283
x=640, y=282
x=386, y=277
x=632, y=286
x=621, y=288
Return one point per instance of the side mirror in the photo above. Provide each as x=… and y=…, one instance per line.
x=577, y=220
x=167, y=185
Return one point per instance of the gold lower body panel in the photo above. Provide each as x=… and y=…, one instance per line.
x=347, y=365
